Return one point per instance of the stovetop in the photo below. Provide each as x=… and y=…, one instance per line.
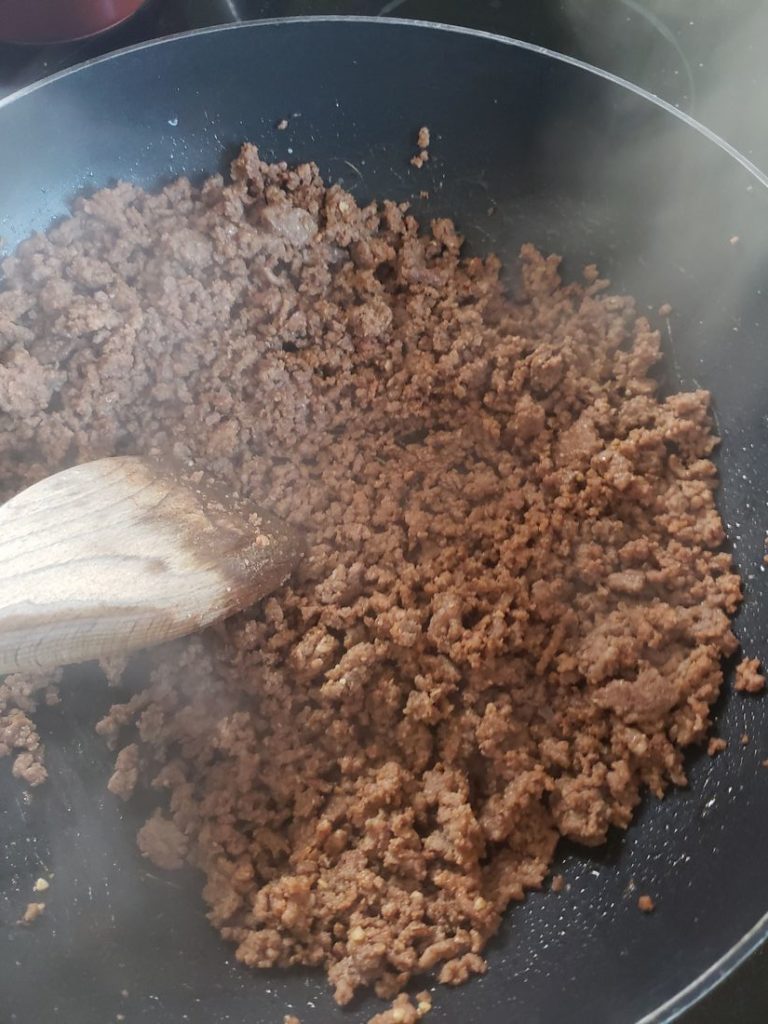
x=706, y=57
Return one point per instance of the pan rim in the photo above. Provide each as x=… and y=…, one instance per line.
x=708, y=980
x=519, y=44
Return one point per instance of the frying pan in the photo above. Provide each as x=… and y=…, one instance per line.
x=526, y=145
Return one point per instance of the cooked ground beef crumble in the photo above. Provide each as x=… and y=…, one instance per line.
x=749, y=678
x=513, y=606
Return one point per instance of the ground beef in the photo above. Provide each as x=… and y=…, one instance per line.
x=512, y=609
x=405, y=1010
x=422, y=141
x=160, y=839
x=749, y=678
x=31, y=913
x=126, y=774
x=19, y=698
x=646, y=904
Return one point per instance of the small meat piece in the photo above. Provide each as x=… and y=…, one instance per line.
x=26, y=385
x=749, y=678
x=423, y=1002
x=29, y=767
x=123, y=781
x=32, y=912
x=113, y=668
x=404, y=1010
x=422, y=141
x=716, y=745
x=558, y=883
x=282, y=124
x=19, y=698
x=162, y=842
x=646, y=904
x=456, y=972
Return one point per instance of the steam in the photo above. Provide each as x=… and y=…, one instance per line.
x=702, y=245
x=705, y=59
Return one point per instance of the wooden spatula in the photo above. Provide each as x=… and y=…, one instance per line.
x=118, y=554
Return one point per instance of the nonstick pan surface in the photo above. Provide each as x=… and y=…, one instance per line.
x=578, y=163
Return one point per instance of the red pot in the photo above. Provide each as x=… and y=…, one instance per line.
x=54, y=21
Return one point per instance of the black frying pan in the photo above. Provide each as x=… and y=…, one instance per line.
x=579, y=163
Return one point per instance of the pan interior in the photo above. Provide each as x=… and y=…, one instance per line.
x=575, y=163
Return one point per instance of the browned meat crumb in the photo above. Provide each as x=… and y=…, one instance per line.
x=646, y=904
x=161, y=840
x=749, y=678
x=764, y=763
x=715, y=745
x=665, y=310
x=423, y=1002
x=19, y=698
x=32, y=912
x=460, y=968
x=123, y=781
x=282, y=124
x=41, y=884
x=113, y=668
x=29, y=767
x=744, y=739
x=558, y=883
x=405, y=1010
x=513, y=606
x=290, y=1019
x=423, y=194
x=422, y=141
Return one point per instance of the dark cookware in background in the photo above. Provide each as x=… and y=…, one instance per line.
x=49, y=21
x=525, y=146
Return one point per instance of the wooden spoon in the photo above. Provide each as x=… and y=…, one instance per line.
x=118, y=554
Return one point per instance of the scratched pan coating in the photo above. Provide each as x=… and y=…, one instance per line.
x=578, y=163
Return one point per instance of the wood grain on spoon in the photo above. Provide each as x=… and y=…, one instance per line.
x=118, y=554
